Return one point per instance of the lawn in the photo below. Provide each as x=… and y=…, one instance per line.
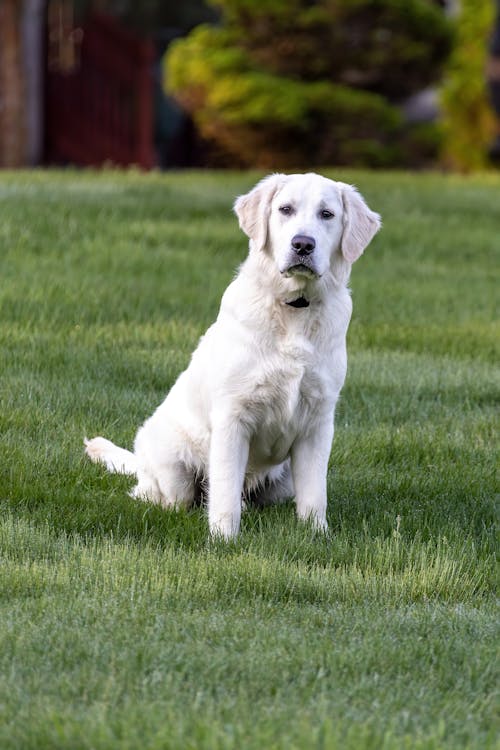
x=123, y=626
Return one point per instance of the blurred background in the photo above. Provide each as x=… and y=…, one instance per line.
x=274, y=84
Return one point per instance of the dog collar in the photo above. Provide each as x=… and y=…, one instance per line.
x=299, y=302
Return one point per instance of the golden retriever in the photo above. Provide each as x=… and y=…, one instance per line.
x=254, y=410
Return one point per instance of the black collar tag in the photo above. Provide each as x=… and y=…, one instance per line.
x=299, y=302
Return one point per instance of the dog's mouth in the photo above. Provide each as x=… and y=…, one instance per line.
x=300, y=269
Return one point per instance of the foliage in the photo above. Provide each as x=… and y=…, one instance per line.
x=248, y=112
x=122, y=626
x=391, y=47
x=468, y=121
x=297, y=84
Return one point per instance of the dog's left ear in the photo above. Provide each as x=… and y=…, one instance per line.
x=253, y=209
x=361, y=224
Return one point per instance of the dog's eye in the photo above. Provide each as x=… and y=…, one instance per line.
x=326, y=214
x=285, y=210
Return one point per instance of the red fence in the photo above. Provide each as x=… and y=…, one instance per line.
x=103, y=110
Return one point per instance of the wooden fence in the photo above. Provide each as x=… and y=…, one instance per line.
x=102, y=110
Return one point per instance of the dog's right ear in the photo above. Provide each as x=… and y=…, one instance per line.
x=253, y=209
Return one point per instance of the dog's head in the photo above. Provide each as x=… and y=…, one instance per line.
x=303, y=220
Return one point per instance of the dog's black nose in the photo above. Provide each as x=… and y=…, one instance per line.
x=303, y=245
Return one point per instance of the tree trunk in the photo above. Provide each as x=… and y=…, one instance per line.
x=12, y=116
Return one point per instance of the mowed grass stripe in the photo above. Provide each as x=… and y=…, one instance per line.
x=324, y=571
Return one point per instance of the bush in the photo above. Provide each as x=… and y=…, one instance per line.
x=391, y=47
x=286, y=83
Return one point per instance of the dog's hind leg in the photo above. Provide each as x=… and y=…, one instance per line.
x=168, y=486
x=177, y=485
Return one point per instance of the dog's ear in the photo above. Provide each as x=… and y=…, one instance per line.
x=253, y=209
x=360, y=224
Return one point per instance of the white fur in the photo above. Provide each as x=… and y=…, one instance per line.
x=255, y=407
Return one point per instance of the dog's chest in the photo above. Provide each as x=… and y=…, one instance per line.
x=287, y=396
x=298, y=378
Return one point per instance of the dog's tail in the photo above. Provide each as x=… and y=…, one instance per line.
x=117, y=460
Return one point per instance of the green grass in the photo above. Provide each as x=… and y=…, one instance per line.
x=124, y=626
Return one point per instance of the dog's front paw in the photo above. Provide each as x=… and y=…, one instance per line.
x=316, y=518
x=319, y=524
x=224, y=526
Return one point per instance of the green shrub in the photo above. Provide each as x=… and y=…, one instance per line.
x=392, y=47
x=252, y=117
x=286, y=83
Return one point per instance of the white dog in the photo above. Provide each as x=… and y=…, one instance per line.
x=253, y=412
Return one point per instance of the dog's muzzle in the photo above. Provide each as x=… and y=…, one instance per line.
x=300, y=260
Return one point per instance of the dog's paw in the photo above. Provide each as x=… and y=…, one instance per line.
x=315, y=518
x=225, y=526
x=320, y=525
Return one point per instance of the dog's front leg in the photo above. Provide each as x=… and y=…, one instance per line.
x=229, y=448
x=310, y=456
